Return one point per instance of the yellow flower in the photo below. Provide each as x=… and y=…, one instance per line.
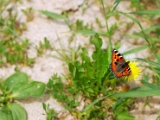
x=135, y=71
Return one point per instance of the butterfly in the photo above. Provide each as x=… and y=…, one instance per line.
x=119, y=66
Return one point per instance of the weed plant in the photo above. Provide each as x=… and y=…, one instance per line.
x=90, y=78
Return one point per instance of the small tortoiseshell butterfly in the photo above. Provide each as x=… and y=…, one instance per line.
x=118, y=65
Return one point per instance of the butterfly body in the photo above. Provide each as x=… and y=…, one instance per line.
x=119, y=66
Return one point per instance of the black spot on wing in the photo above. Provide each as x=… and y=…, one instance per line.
x=114, y=50
x=118, y=54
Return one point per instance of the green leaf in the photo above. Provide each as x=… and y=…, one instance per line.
x=93, y=103
x=109, y=53
x=152, y=63
x=31, y=89
x=18, y=112
x=89, y=32
x=124, y=116
x=136, y=21
x=52, y=14
x=158, y=56
x=85, y=32
x=151, y=28
x=137, y=49
x=49, y=112
x=5, y=114
x=20, y=87
x=142, y=93
x=100, y=57
x=97, y=41
x=15, y=79
x=118, y=102
x=154, y=87
x=13, y=111
x=150, y=12
x=85, y=56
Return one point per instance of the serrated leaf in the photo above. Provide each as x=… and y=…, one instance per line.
x=97, y=41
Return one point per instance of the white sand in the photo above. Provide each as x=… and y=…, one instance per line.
x=45, y=66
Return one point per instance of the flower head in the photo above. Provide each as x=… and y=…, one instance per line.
x=135, y=71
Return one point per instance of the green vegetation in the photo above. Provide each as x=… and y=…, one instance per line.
x=50, y=114
x=17, y=86
x=13, y=49
x=91, y=79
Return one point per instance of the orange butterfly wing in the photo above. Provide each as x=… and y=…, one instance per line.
x=117, y=58
x=126, y=72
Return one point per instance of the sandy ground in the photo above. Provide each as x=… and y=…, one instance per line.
x=46, y=65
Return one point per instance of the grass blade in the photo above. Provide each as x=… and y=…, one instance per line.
x=89, y=32
x=152, y=63
x=145, y=93
x=94, y=102
x=136, y=50
x=150, y=12
x=52, y=14
x=136, y=21
x=85, y=32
